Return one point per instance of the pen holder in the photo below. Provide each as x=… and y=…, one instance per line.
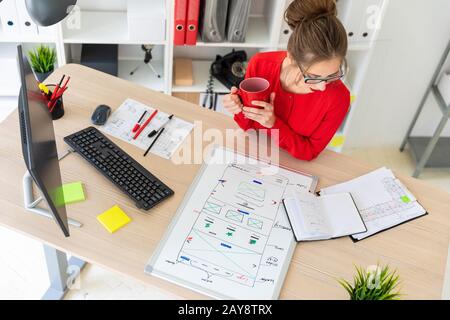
x=58, y=109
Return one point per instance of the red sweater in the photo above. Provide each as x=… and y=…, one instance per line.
x=306, y=122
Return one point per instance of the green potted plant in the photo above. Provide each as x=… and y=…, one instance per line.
x=374, y=283
x=43, y=60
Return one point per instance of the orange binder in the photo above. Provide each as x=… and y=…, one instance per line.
x=192, y=22
x=180, y=22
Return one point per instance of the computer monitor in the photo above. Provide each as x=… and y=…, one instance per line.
x=38, y=143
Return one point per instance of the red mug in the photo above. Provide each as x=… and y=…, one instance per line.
x=254, y=89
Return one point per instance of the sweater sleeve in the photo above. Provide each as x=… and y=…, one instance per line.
x=308, y=148
x=243, y=122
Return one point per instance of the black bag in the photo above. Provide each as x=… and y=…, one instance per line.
x=230, y=69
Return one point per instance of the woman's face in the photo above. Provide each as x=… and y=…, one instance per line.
x=327, y=69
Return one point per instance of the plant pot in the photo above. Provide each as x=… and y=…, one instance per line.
x=42, y=76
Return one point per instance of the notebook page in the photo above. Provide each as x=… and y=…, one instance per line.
x=382, y=200
x=307, y=215
x=342, y=214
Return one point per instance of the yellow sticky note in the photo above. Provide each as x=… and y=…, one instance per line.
x=352, y=98
x=337, y=141
x=113, y=219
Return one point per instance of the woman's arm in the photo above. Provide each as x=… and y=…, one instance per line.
x=308, y=148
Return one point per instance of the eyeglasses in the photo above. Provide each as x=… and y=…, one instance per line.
x=316, y=80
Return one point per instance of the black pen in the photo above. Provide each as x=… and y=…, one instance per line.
x=159, y=134
x=151, y=134
x=151, y=145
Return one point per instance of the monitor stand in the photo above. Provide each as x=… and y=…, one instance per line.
x=31, y=203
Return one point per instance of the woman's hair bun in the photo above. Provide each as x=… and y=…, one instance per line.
x=300, y=11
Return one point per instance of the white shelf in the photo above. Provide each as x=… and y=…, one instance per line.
x=10, y=78
x=144, y=75
x=103, y=27
x=25, y=38
x=7, y=105
x=258, y=36
x=10, y=92
x=201, y=76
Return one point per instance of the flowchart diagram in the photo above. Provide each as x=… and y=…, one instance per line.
x=232, y=238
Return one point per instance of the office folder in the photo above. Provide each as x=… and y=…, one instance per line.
x=193, y=12
x=27, y=25
x=238, y=12
x=9, y=17
x=213, y=20
x=180, y=22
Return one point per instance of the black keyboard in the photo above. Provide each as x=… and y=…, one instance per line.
x=128, y=175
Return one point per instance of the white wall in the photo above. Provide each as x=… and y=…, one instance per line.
x=412, y=39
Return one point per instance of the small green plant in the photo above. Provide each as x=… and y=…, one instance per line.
x=43, y=59
x=378, y=283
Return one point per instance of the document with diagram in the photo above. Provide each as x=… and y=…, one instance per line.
x=232, y=240
x=383, y=201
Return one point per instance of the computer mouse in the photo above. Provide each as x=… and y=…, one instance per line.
x=100, y=114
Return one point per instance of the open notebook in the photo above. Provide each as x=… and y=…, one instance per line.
x=320, y=218
x=383, y=201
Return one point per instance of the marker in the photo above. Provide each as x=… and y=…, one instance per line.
x=145, y=124
x=138, y=124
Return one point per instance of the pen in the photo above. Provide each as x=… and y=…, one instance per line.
x=151, y=134
x=58, y=95
x=145, y=124
x=64, y=86
x=57, y=87
x=159, y=134
x=153, y=142
x=57, y=90
x=138, y=124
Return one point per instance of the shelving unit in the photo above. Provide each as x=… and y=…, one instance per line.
x=431, y=151
x=105, y=21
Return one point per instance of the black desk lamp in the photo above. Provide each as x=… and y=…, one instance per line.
x=48, y=12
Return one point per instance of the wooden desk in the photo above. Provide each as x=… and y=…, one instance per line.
x=417, y=249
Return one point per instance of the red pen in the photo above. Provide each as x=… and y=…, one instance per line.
x=63, y=88
x=138, y=124
x=60, y=93
x=57, y=87
x=145, y=124
x=51, y=102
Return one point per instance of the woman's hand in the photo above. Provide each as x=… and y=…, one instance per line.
x=232, y=102
x=266, y=117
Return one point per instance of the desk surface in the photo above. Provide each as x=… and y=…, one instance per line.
x=418, y=249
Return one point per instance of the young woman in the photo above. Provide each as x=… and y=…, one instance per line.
x=308, y=101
